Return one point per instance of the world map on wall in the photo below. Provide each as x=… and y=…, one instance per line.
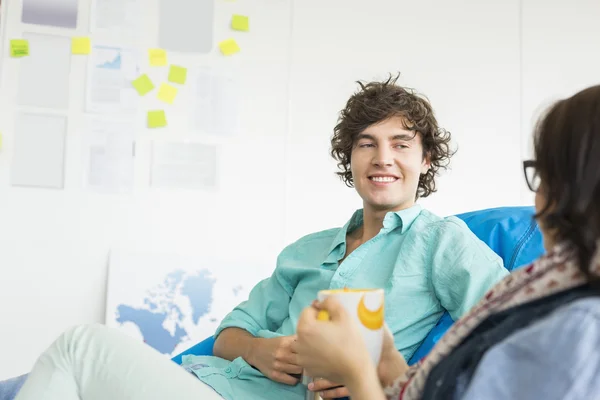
x=162, y=320
x=173, y=301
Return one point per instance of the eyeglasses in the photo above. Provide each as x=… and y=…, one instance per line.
x=532, y=177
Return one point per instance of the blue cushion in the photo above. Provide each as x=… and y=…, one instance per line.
x=511, y=232
x=204, y=348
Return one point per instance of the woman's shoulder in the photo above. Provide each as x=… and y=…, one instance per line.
x=553, y=358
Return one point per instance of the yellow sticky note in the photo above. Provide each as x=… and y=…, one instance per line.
x=229, y=47
x=167, y=93
x=143, y=85
x=19, y=48
x=158, y=57
x=240, y=23
x=157, y=119
x=177, y=74
x=81, y=45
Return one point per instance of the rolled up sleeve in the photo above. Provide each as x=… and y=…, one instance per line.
x=266, y=308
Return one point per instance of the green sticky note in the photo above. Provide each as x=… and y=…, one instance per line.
x=143, y=84
x=240, y=23
x=157, y=119
x=177, y=74
x=19, y=48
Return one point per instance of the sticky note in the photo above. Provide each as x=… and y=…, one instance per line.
x=177, y=74
x=240, y=23
x=158, y=57
x=167, y=93
x=81, y=45
x=157, y=119
x=229, y=47
x=19, y=48
x=143, y=85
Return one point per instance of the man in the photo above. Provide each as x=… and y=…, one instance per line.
x=390, y=148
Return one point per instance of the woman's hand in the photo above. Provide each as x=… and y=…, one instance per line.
x=334, y=349
x=391, y=366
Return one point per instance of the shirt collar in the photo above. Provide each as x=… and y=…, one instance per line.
x=392, y=220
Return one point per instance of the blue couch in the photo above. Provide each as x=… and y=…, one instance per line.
x=510, y=231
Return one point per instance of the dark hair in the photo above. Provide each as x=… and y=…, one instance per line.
x=376, y=102
x=567, y=159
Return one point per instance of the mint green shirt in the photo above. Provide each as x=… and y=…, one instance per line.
x=425, y=263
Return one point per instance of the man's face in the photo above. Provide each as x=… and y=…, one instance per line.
x=386, y=163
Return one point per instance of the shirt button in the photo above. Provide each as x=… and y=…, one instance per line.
x=342, y=274
x=228, y=370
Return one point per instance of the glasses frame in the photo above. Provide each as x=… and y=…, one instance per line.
x=527, y=165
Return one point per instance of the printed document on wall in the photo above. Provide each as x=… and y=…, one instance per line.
x=216, y=110
x=109, y=154
x=39, y=152
x=45, y=73
x=183, y=165
x=118, y=17
x=110, y=73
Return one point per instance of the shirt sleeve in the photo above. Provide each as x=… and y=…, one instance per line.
x=463, y=269
x=267, y=305
x=555, y=358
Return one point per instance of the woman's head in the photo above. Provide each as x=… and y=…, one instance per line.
x=567, y=167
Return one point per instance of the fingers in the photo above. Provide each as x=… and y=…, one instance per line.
x=284, y=378
x=287, y=368
x=335, y=393
x=321, y=384
x=333, y=307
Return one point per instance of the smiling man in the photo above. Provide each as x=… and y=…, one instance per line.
x=390, y=148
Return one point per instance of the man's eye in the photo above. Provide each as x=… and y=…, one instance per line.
x=366, y=145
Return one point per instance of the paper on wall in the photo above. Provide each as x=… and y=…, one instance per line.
x=119, y=17
x=45, y=75
x=59, y=13
x=109, y=154
x=39, y=151
x=183, y=165
x=215, y=108
x=111, y=71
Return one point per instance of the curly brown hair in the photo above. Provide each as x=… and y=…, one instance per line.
x=376, y=102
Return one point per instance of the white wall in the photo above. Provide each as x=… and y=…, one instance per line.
x=485, y=65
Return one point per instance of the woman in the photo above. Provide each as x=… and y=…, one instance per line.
x=536, y=334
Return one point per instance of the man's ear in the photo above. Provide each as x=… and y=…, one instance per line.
x=426, y=164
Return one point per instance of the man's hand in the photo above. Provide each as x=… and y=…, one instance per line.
x=328, y=389
x=275, y=359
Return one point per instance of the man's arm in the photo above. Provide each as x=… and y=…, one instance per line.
x=233, y=343
x=239, y=334
x=463, y=269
